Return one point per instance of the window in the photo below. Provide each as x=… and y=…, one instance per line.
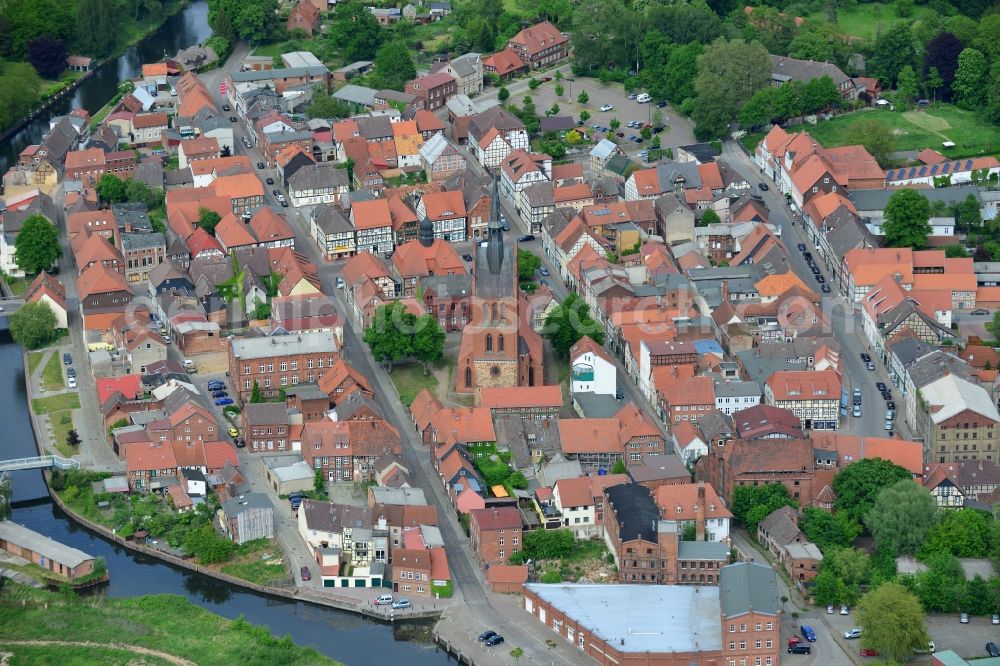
x=468, y=377
x=500, y=554
x=500, y=343
x=495, y=371
x=489, y=342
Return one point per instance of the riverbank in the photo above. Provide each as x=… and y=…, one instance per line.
x=136, y=33
x=45, y=627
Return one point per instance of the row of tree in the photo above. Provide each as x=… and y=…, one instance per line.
x=396, y=334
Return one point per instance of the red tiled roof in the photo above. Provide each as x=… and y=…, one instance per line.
x=143, y=456
x=499, y=518
x=521, y=396
x=217, y=454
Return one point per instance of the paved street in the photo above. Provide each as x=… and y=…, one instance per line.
x=844, y=318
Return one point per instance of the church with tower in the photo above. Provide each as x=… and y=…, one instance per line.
x=499, y=347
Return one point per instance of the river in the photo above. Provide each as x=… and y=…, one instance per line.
x=344, y=636
x=183, y=29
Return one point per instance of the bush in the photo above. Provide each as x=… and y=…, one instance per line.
x=551, y=576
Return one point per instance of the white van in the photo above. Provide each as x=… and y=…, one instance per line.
x=643, y=98
x=384, y=600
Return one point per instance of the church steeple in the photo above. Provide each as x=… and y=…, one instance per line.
x=494, y=242
x=425, y=233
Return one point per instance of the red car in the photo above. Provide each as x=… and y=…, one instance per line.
x=794, y=640
x=306, y=574
x=869, y=652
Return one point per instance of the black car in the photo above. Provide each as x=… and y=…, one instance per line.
x=814, y=268
x=992, y=649
x=826, y=289
x=820, y=279
x=865, y=357
x=800, y=649
x=232, y=119
x=275, y=192
x=526, y=237
x=240, y=442
x=260, y=165
x=67, y=359
x=284, y=204
x=487, y=635
x=887, y=395
x=802, y=247
x=661, y=105
x=879, y=385
x=225, y=107
x=493, y=641
x=467, y=257
x=762, y=187
x=890, y=405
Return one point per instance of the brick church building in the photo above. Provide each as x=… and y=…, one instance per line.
x=499, y=348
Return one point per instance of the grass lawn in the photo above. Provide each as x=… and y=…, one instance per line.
x=914, y=130
x=73, y=655
x=34, y=358
x=62, y=423
x=249, y=563
x=52, y=375
x=166, y=623
x=411, y=380
x=867, y=20
x=17, y=286
x=55, y=403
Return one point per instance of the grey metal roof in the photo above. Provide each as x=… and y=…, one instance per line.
x=467, y=65
x=604, y=149
x=937, y=364
x=317, y=176
x=132, y=214
x=746, y=587
x=356, y=95
x=447, y=286
x=399, y=496
x=306, y=392
x=642, y=618
x=656, y=467
x=672, y=172
x=736, y=389
x=498, y=284
x=282, y=73
x=354, y=66
x=247, y=502
x=702, y=550
x=331, y=220
x=20, y=535
x=876, y=200
x=280, y=345
x=374, y=127
x=265, y=413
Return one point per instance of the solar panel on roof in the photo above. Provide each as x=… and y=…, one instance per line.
x=934, y=169
x=968, y=164
x=912, y=173
x=945, y=167
x=923, y=171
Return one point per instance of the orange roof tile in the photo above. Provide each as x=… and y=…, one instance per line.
x=589, y=435
x=521, y=396
x=98, y=279
x=679, y=502
x=586, y=490
x=795, y=385
x=371, y=214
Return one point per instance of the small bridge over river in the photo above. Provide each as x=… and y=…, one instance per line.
x=38, y=462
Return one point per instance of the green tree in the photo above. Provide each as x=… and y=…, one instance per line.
x=559, y=89
x=751, y=504
x=933, y=83
x=111, y=188
x=355, y=31
x=36, y=246
x=907, y=216
x=548, y=544
x=729, y=73
x=553, y=110
x=390, y=334
x=585, y=115
x=325, y=106
x=256, y=395
x=319, y=482
x=827, y=530
x=21, y=85
x=828, y=589
x=503, y=94
x=892, y=622
x=850, y=565
x=971, y=80
x=619, y=467
x=894, y=49
x=955, y=251
x=428, y=341
x=533, y=83
x=907, y=85
x=393, y=65
x=759, y=109
x=859, y=483
x=33, y=325
x=967, y=214
x=73, y=438
x=208, y=219
x=573, y=137
x=901, y=517
x=570, y=321
x=583, y=97
x=251, y=20
x=875, y=137
x=963, y=533
x=614, y=124
x=528, y=264
x=47, y=56
x=994, y=325
x=96, y=27
x=516, y=654
x=709, y=216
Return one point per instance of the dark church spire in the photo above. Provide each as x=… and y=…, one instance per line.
x=494, y=243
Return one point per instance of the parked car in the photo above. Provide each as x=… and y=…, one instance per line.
x=384, y=600
x=995, y=619
x=857, y=410
x=216, y=382
x=70, y=372
x=869, y=652
x=486, y=635
x=467, y=257
x=814, y=268
x=260, y=165
x=992, y=649
x=543, y=271
x=865, y=357
x=305, y=573
x=67, y=359
x=964, y=618
x=762, y=187
x=825, y=289
x=631, y=96
x=800, y=649
x=879, y=385
x=980, y=311
x=340, y=282
x=220, y=394
x=269, y=180
x=802, y=247
x=222, y=402
x=607, y=107
x=843, y=609
x=233, y=432
x=401, y=603
x=808, y=633
x=276, y=193
x=870, y=366
x=829, y=610
x=493, y=641
x=643, y=98
x=820, y=279
x=225, y=107
x=71, y=382
x=526, y=238
x=891, y=406
x=661, y=105
x=852, y=633
x=166, y=339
